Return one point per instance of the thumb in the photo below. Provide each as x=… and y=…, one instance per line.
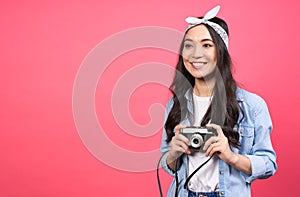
x=178, y=127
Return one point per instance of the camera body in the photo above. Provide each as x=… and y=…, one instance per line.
x=197, y=136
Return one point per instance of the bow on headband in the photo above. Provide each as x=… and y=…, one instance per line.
x=192, y=21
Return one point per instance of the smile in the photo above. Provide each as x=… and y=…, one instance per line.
x=198, y=64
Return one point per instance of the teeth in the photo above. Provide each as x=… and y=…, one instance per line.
x=198, y=63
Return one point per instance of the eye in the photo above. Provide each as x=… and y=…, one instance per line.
x=206, y=45
x=188, y=46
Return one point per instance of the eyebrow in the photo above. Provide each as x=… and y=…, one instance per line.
x=203, y=40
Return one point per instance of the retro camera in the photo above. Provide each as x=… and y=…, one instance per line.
x=197, y=136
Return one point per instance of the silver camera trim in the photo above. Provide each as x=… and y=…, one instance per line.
x=200, y=140
x=196, y=132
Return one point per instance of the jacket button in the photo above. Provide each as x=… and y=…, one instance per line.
x=222, y=193
x=221, y=172
x=241, y=131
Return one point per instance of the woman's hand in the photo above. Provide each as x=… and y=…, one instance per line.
x=219, y=145
x=179, y=145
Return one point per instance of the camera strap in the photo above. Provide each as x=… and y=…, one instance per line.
x=191, y=175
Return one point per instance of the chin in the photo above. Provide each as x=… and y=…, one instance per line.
x=198, y=75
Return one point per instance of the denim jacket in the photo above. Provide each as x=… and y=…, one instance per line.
x=254, y=129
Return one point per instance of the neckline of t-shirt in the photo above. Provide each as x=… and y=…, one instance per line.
x=202, y=98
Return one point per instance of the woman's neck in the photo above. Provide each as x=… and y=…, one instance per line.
x=204, y=88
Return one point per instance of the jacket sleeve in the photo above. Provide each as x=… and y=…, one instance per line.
x=165, y=147
x=262, y=156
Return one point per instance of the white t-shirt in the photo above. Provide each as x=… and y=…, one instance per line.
x=207, y=178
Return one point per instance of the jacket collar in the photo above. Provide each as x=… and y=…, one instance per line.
x=240, y=94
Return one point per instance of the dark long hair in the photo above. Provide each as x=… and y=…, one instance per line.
x=224, y=109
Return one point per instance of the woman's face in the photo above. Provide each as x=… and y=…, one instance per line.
x=199, y=52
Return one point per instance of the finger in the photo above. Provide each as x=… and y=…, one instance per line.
x=209, y=149
x=182, y=141
x=211, y=140
x=179, y=149
x=182, y=145
x=181, y=137
x=178, y=127
x=217, y=128
x=214, y=147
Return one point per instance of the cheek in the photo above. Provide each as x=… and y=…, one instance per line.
x=186, y=54
x=186, y=62
x=214, y=55
x=186, y=65
x=215, y=58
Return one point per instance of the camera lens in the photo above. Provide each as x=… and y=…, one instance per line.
x=196, y=140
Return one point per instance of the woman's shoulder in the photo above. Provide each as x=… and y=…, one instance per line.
x=170, y=103
x=250, y=98
x=254, y=108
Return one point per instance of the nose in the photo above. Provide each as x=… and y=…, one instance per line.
x=198, y=52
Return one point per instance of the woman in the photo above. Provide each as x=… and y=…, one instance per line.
x=206, y=95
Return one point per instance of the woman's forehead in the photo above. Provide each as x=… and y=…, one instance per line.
x=198, y=33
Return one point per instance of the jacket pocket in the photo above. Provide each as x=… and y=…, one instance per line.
x=246, y=139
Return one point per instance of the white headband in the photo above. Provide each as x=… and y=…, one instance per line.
x=192, y=21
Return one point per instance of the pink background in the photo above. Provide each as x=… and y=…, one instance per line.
x=43, y=44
